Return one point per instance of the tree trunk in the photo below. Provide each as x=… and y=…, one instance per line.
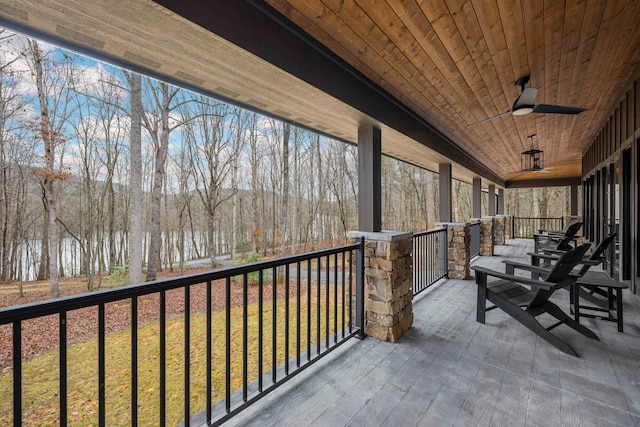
x=136, y=229
x=156, y=190
x=43, y=273
x=286, y=131
x=48, y=137
x=254, y=184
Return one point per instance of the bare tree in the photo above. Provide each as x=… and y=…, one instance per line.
x=157, y=124
x=254, y=164
x=213, y=154
x=282, y=132
x=48, y=130
x=136, y=229
x=11, y=106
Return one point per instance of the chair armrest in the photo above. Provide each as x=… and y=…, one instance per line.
x=556, y=257
x=518, y=279
x=543, y=256
x=591, y=262
x=555, y=233
x=527, y=267
x=553, y=251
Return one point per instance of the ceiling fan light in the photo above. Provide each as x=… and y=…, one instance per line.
x=521, y=111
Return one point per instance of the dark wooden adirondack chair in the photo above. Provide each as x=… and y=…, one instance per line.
x=594, y=258
x=603, y=293
x=558, y=233
x=525, y=298
x=543, y=242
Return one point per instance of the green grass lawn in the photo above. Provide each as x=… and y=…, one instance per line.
x=41, y=374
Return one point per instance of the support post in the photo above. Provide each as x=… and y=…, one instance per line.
x=574, y=200
x=501, y=201
x=492, y=200
x=444, y=182
x=369, y=179
x=477, y=198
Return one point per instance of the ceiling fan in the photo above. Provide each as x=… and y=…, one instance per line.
x=525, y=104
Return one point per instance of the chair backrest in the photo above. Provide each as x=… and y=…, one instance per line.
x=566, y=263
x=559, y=274
x=563, y=244
x=597, y=253
x=569, y=224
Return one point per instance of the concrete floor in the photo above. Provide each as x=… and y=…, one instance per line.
x=450, y=370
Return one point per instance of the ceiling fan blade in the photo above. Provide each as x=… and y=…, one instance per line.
x=557, y=109
x=527, y=98
x=489, y=119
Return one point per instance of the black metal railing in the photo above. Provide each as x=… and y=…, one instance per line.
x=207, y=363
x=474, y=235
x=527, y=227
x=430, y=262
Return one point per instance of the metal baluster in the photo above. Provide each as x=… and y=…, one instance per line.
x=245, y=284
x=260, y=327
x=134, y=361
x=227, y=305
x=344, y=269
x=335, y=298
x=274, y=334
x=17, y=373
x=163, y=358
x=298, y=310
x=63, y=368
x=187, y=356
x=209, y=351
x=286, y=320
x=101, y=367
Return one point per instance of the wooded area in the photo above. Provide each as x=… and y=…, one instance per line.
x=103, y=169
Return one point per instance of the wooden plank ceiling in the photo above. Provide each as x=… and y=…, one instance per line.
x=455, y=63
x=452, y=62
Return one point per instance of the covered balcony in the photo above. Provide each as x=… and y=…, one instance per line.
x=450, y=370
x=518, y=95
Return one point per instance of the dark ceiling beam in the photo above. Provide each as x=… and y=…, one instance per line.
x=551, y=182
x=259, y=29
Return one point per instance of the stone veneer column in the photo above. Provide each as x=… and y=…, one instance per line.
x=458, y=252
x=498, y=230
x=507, y=226
x=388, y=273
x=486, y=236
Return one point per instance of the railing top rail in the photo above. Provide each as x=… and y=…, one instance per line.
x=434, y=231
x=538, y=217
x=75, y=302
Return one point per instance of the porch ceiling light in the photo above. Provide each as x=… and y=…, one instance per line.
x=532, y=160
x=521, y=111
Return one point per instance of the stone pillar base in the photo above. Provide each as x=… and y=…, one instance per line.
x=487, y=240
x=388, y=274
x=508, y=221
x=459, y=249
x=499, y=230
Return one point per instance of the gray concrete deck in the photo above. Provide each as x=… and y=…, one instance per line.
x=450, y=370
